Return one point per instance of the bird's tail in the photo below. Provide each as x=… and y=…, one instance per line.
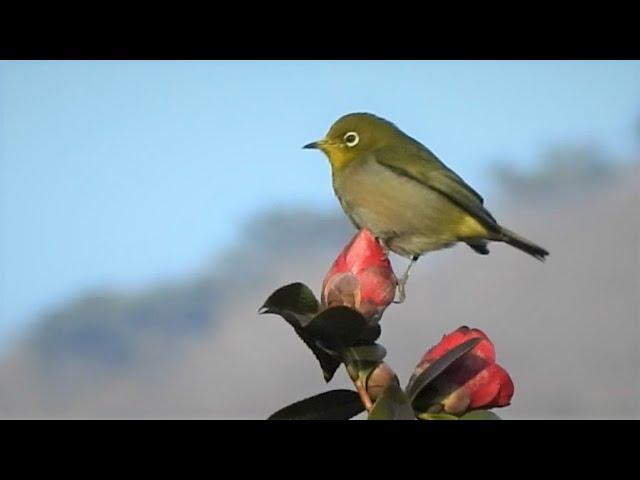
x=521, y=243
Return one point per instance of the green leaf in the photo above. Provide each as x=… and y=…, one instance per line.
x=297, y=305
x=295, y=302
x=362, y=353
x=418, y=383
x=370, y=335
x=480, y=415
x=341, y=327
x=437, y=416
x=362, y=360
x=393, y=404
x=331, y=405
x=328, y=363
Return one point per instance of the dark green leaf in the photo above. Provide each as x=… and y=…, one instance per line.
x=393, y=404
x=340, y=327
x=369, y=353
x=297, y=305
x=295, y=302
x=361, y=360
x=436, y=416
x=328, y=363
x=480, y=415
x=370, y=335
x=419, y=382
x=332, y=405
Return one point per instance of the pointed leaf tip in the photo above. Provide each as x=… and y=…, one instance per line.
x=297, y=305
x=295, y=297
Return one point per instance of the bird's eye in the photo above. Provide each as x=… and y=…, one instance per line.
x=351, y=139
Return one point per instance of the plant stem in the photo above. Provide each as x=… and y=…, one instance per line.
x=364, y=396
x=355, y=377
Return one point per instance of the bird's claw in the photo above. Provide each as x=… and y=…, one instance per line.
x=401, y=282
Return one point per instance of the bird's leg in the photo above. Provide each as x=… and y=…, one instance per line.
x=402, y=281
x=384, y=245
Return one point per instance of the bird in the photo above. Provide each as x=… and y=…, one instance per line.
x=392, y=185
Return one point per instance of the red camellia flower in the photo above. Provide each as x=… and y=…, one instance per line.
x=361, y=277
x=474, y=380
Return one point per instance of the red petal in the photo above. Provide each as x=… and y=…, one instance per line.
x=364, y=261
x=476, y=373
x=338, y=267
x=503, y=398
x=364, y=252
x=378, y=285
x=484, y=349
x=483, y=388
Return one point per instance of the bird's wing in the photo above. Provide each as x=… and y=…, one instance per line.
x=421, y=165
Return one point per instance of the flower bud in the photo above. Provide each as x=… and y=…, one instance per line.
x=474, y=380
x=379, y=380
x=361, y=277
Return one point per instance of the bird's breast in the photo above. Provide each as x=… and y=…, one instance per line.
x=391, y=205
x=381, y=200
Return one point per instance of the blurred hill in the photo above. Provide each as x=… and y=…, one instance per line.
x=563, y=171
x=567, y=330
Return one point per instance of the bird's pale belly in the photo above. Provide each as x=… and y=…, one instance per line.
x=409, y=217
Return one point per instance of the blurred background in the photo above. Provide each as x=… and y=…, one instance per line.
x=147, y=209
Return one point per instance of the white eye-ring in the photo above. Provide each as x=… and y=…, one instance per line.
x=351, y=139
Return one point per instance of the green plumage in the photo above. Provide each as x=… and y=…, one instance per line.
x=398, y=189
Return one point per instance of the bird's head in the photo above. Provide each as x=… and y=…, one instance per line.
x=356, y=134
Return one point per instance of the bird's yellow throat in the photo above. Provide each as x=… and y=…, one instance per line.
x=338, y=157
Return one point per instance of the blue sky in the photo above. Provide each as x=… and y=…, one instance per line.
x=125, y=173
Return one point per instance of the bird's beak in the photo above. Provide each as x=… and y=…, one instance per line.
x=317, y=145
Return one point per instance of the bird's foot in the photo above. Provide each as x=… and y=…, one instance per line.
x=401, y=282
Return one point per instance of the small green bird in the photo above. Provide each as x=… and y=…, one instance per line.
x=392, y=185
